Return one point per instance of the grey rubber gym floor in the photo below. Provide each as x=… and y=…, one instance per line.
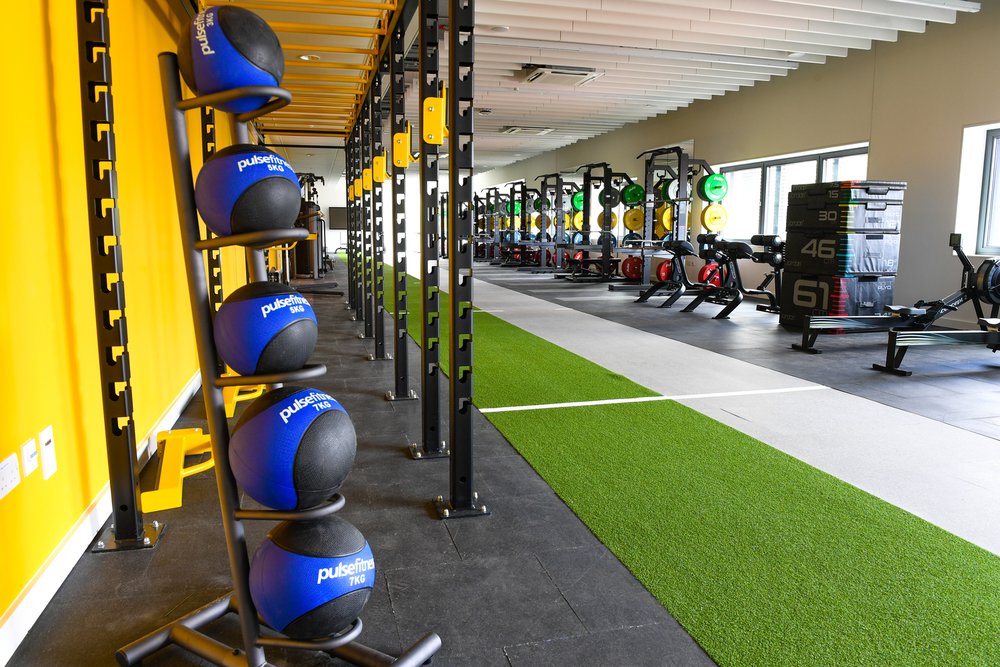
x=528, y=585
x=958, y=385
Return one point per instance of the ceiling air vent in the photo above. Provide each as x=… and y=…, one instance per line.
x=527, y=131
x=559, y=75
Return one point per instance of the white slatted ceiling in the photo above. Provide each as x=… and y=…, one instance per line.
x=656, y=56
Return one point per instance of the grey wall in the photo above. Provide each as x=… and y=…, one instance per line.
x=910, y=99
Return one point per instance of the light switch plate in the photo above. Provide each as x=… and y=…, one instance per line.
x=48, y=448
x=29, y=457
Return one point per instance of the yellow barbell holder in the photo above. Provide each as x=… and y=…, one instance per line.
x=434, y=126
x=402, y=155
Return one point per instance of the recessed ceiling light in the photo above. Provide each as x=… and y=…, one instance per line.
x=310, y=154
x=486, y=111
x=500, y=28
x=309, y=57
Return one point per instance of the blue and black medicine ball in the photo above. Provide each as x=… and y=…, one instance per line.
x=246, y=188
x=264, y=327
x=311, y=579
x=230, y=47
x=292, y=448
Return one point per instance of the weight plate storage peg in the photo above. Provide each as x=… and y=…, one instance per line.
x=635, y=218
x=633, y=194
x=714, y=218
x=577, y=201
x=713, y=187
x=609, y=197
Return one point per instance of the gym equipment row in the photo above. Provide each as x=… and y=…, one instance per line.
x=446, y=229
x=719, y=280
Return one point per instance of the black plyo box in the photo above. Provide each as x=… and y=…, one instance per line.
x=847, y=191
x=842, y=254
x=810, y=294
x=848, y=216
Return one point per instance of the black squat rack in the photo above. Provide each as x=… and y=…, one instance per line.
x=185, y=631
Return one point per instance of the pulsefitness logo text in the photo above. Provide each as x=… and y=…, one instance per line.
x=282, y=302
x=317, y=399
x=258, y=159
x=352, y=570
x=202, y=22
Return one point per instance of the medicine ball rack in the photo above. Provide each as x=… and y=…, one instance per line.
x=185, y=631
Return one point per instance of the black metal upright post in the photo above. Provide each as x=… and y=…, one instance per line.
x=359, y=227
x=378, y=239
x=397, y=98
x=127, y=530
x=367, y=242
x=463, y=500
x=432, y=445
x=351, y=220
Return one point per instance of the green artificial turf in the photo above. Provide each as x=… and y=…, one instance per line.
x=764, y=559
x=514, y=367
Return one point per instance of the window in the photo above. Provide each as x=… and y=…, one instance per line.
x=758, y=192
x=743, y=203
x=989, y=211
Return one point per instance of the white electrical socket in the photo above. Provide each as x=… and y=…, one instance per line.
x=29, y=457
x=48, y=448
x=10, y=474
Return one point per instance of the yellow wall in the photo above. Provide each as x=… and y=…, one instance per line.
x=48, y=349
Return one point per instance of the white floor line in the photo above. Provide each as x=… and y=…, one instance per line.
x=648, y=399
x=942, y=473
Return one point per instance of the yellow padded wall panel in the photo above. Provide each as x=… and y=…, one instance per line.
x=47, y=337
x=48, y=349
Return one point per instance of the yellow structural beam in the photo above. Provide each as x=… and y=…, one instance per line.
x=319, y=29
x=357, y=4
x=314, y=9
x=325, y=78
x=327, y=48
x=321, y=64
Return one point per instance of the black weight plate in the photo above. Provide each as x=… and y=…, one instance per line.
x=609, y=197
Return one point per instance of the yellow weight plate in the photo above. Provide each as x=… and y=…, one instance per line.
x=614, y=219
x=578, y=220
x=535, y=219
x=664, y=220
x=635, y=218
x=714, y=217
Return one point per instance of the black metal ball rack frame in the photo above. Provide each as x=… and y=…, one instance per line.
x=185, y=631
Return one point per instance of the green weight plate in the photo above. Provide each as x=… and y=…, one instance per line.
x=713, y=187
x=578, y=201
x=633, y=194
